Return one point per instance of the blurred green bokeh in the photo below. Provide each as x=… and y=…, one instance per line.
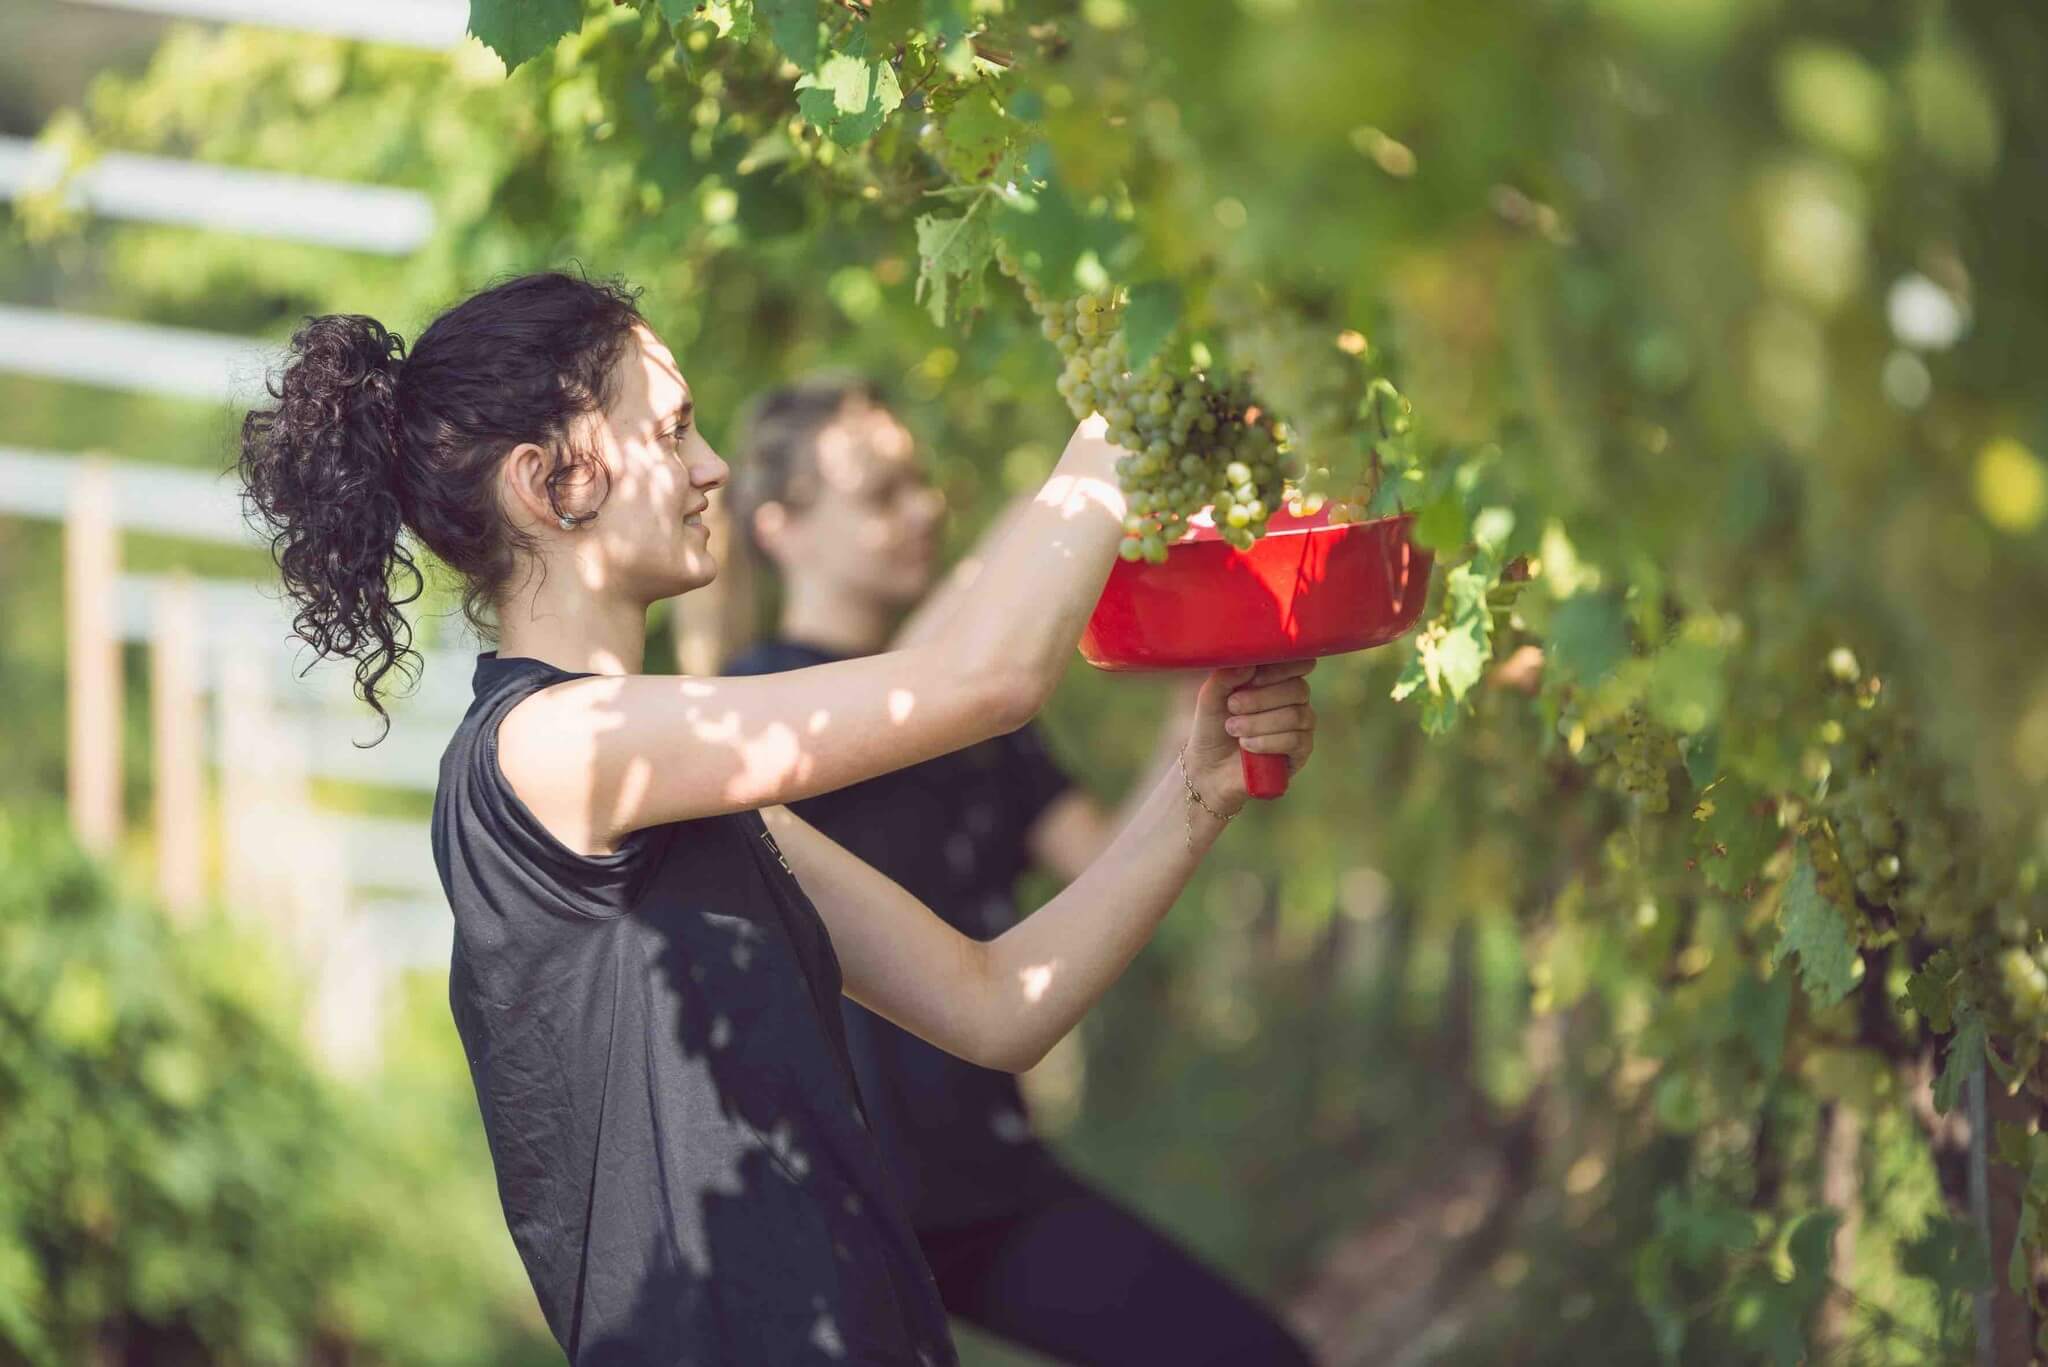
x=1743, y=302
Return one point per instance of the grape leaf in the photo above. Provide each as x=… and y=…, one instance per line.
x=1731, y=837
x=1687, y=690
x=1932, y=991
x=1698, y=1227
x=849, y=97
x=674, y=11
x=521, y=30
x=2019, y=1268
x=1149, y=318
x=1965, y=1057
x=1702, y=755
x=974, y=135
x=1044, y=223
x=1815, y=930
x=735, y=18
x=946, y=248
x=1762, y=1009
x=1949, y=1254
x=1441, y=526
x=890, y=23
x=794, y=26
x=1450, y=656
x=1588, y=637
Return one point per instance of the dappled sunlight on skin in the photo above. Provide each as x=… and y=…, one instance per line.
x=1074, y=496
x=764, y=759
x=639, y=542
x=1036, y=980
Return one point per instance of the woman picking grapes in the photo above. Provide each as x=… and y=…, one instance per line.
x=649, y=948
x=830, y=489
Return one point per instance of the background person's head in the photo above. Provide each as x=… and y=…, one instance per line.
x=538, y=429
x=829, y=489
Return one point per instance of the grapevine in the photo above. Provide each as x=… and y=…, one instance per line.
x=1629, y=480
x=1191, y=442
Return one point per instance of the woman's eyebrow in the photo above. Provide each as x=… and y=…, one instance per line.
x=684, y=412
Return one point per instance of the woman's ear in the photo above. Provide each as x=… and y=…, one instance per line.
x=543, y=487
x=525, y=480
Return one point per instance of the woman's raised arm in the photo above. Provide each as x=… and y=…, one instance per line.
x=597, y=758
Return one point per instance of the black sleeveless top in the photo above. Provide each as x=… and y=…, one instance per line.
x=655, y=1039
x=955, y=832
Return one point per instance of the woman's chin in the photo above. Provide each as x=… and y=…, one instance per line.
x=698, y=573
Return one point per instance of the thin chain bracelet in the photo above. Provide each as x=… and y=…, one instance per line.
x=1196, y=798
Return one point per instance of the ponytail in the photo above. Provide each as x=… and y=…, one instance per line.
x=321, y=473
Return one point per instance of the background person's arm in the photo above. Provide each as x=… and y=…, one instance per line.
x=600, y=757
x=1003, y=1003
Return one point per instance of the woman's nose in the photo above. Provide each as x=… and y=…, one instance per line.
x=709, y=471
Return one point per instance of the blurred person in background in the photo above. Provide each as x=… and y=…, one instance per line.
x=649, y=947
x=830, y=491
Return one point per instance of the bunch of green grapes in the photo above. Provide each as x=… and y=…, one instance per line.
x=1192, y=440
x=1643, y=753
x=1344, y=425
x=1897, y=838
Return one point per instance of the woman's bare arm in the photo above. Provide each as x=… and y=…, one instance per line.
x=598, y=758
x=1003, y=1003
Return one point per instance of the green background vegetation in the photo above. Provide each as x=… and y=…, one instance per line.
x=1460, y=1049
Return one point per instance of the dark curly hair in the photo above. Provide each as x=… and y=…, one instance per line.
x=364, y=444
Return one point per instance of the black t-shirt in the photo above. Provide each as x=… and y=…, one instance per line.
x=655, y=1040
x=953, y=831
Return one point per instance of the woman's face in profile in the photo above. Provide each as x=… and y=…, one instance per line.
x=658, y=473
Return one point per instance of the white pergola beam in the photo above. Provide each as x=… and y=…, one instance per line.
x=179, y=363
x=325, y=213
x=147, y=498
x=431, y=24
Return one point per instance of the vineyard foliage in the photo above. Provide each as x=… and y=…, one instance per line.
x=183, y=1188
x=1700, y=340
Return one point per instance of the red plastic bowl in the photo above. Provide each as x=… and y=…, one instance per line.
x=1304, y=589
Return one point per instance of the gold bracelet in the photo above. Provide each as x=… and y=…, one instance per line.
x=1196, y=798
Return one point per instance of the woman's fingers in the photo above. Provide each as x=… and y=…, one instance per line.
x=1296, y=745
x=1273, y=721
x=1285, y=669
x=1255, y=697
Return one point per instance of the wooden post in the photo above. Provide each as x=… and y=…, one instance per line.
x=263, y=784
x=92, y=562
x=177, y=727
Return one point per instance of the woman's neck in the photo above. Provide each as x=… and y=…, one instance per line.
x=844, y=623
x=572, y=629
